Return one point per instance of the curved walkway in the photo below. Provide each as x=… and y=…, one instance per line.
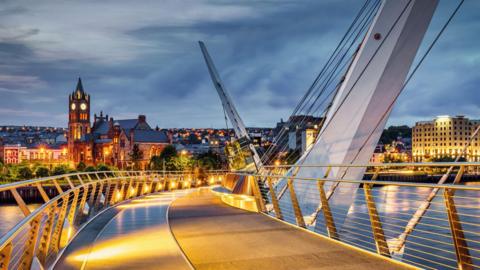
x=216, y=236
x=134, y=235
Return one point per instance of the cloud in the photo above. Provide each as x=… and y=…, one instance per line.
x=143, y=58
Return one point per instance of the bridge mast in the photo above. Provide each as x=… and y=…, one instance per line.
x=373, y=82
x=227, y=103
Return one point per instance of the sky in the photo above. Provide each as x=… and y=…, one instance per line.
x=142, y=57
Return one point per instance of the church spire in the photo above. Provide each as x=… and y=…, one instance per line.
x=79, y=86
x=79, y=93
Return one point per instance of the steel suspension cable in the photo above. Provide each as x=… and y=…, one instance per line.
x=329, y=60
x=334, y=57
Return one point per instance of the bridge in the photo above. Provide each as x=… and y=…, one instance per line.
x=330, y=209
x=180, y=220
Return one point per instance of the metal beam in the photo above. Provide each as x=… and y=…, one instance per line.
x=228, y=106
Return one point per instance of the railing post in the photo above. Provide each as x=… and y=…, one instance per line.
x=72, y=186
x=107, y=192
x=21, y=203
x=27, y=257
x=83, y=200
x=135, y=189
x=99, y=196
x=45, y=237
x=5, y=254
x=376, y=224
x=73, y=207
x=276, y=205
x=150, y=186
x=59, y=224
x=91, y=200
x=144, y=180
x=42, y=192
x=57, y=186
x=122, y=191
x=464, y=261
x=327, y=212
x=130, y=188
x=80, y=179
x=296, y=207
x=114, y=195
x=257, y=193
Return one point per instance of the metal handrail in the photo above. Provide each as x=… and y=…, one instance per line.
x=362, y=214
x=44, y=227
x=406, y=164
x=58, y=177
x=306, y=204
x=371, y=182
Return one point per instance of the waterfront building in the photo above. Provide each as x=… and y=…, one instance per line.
x=107, y=140
x=444, y=137
x=43, y=153
x=302, y=131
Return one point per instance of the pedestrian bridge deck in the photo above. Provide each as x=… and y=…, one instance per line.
x=211, y=234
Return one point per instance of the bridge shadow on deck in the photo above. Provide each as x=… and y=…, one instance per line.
x=216, y=236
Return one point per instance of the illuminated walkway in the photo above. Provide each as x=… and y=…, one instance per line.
x=130, y=236
x=216, y=236
x=136, y=235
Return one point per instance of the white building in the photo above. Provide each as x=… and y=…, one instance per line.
x=445, y=136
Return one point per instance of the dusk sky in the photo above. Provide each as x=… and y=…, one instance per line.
x=142, y=57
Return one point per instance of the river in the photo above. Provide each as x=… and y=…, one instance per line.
x=10, y=215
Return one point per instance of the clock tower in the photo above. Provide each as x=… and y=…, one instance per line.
x=78, y=122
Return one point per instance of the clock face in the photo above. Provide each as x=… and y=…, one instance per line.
x=83, y=106
x=73, y=106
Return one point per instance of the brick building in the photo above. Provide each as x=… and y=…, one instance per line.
x=107, y=140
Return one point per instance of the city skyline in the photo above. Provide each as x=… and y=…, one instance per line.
x=151, y=64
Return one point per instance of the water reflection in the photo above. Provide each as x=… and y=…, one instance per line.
x=10, y=215
x=429, y=244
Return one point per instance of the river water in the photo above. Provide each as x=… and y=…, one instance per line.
x=429, y=245
x=10, y=215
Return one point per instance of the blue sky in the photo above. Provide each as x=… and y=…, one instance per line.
x=143, y=58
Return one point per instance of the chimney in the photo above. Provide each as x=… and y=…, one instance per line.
x=131, y=136
x=110, y=123
x=142, y=119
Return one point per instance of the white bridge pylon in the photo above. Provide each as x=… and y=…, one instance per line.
x=362, y=105
x=228, y=106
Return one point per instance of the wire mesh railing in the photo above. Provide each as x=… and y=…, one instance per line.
x=428, y=225
x=40, y=237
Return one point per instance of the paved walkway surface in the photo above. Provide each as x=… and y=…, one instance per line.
x=216, y=236
x=134, y=235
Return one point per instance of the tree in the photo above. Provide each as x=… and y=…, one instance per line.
x=167, y=157
x=90, y=169
x=25, y=172
x=393, y=132
x=136, y=156
x=81, y=166
x=169, y=152
x=103, y=168
x=42, y=171
x=209, y=161
x=180, y=163
x=156, y=163
x=60, y=169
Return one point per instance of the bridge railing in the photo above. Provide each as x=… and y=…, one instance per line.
x=72, y=200
x=428, y=225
